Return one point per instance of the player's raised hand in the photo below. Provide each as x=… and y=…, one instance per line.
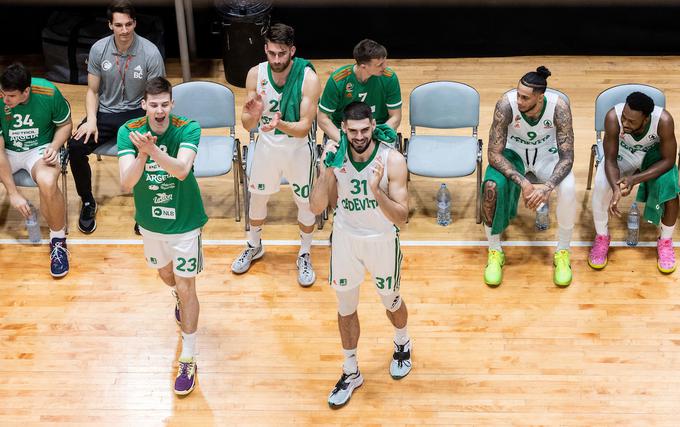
x=145, y=142
x=273, y=124
x=254, y=106
x=378, y=171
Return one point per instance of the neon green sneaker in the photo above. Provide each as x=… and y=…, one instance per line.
x=493, y=273
x=562, y=273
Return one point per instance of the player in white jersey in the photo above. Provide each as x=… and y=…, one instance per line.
x=531, y=132
x=639, y=148
x=370, y=198
x=283, y=94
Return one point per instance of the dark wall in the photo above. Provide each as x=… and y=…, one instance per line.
x=415, y=32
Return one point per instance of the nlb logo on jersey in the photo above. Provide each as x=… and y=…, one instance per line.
x=138, y=73
x=163, y=212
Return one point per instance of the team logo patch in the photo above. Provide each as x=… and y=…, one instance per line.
x=548, y=124
x=106, y=65
x=518, y=118
x=263, y=82
x=260, y=186
x=349, y=87
x=343, y=282
x=153, y=260
x=8, y=111
x=138, y=73
x=652, y=137
x=163, y=212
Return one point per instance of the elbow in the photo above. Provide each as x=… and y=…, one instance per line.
x=316, y=207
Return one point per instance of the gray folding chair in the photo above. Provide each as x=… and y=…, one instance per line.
x=24, y=179
x=445, y=105
x=604, y=102
x=248, y=163
x=212, y=106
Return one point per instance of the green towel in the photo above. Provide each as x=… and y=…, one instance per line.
x=292, y=90
x=507, y=192
x=382, y=133
x=657, y=191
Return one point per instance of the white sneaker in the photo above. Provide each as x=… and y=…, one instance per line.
x=343, y=389
x=242, y=263
x=306, y=275
x=401, y=361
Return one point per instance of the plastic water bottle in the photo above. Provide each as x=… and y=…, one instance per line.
x=33, y=225
x=543, y=217
x=443, y=206
x=633, y=225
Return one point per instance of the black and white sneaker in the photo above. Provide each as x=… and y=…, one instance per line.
x=86, y=222
x=242, y=263
x=343, y=389
x=401, y=361
x=306, y=275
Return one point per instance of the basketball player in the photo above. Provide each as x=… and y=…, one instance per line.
x=36, y=123
x=283, y=94
x=371, y=199
x=531, y=132
x=639, y=148
x=368, y=80
x=156, y=157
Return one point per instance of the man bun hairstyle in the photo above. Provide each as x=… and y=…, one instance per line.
x=156, y=86
x=357, y=110
x=120, y=6
x=368, y=49
x=537, y=80
x=15, y=77
x=281, y=34
x=638, y=101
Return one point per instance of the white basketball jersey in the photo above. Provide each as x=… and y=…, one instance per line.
x=271, y=97
x=357, y=212
x=633, y=148
x=524, y=134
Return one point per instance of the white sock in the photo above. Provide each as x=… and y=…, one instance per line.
x=564, y=238
x=666, y=231
x=350, y=365
x=59, y=234
x=494, y=239
x=188, y=346
x=305, y=243
x=401, y=336
x=254, y=236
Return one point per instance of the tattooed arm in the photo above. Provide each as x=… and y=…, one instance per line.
x=502, y=117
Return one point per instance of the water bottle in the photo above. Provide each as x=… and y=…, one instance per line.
x=543, y=217
x=633, y=225
x=33, y=225
x=443, y=206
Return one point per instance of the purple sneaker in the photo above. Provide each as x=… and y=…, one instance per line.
x=186, y=377
x=178, y=314
x=58, y=257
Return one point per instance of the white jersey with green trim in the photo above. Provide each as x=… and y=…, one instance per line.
x=526, y=134
x=357, y=212
x=271, y=98
x=631, y=149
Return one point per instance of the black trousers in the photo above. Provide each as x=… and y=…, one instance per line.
x=107, y=126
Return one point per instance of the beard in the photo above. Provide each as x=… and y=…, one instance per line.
x=358, y=147
x=527, y=109
x=280, y=67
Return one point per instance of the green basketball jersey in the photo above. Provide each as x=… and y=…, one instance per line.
x=382, y=93
x=163, y=203
x=33, y=124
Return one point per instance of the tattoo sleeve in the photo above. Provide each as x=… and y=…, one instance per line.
x=502, y=117
x=565, y=144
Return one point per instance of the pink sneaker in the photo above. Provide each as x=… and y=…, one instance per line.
x=666, y=261
x=598, y=253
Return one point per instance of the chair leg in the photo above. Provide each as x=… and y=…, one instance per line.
x=593, y=149
x=246, y=193
x=64, y=191
x=237, y=196
x=479, y=193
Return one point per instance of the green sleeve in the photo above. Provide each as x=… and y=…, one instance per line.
x=393, y=95
x=191, y=135
x=125, y=146
x=330, y=99
x=61, y=111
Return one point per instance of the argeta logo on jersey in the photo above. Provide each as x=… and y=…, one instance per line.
x=106, y=65
x=157, y=178
x=162, y=198
x=138, y=73
x=162, y=212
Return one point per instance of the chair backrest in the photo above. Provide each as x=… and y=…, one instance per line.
x=444, y=105
x=549, y=90
x=617, y=94
x=210, y=104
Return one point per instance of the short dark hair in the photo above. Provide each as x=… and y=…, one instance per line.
x=280, y=33
x=15, y=77
x=537, y=80
x=368, y=49
x=120, y=6
x=156, y=86
x=638, y=101
x=357, y=110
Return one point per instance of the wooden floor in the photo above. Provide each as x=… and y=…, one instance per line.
x=99, y=347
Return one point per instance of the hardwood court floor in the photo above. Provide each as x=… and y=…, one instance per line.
x=99, y=347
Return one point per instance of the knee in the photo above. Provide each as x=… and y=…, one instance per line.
x=167, y=275
x=348, y=302
x=567, y=187
x=258, y=206
x=305, y=215
x=76, y=148
x=391, y=302
x=47, y=182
